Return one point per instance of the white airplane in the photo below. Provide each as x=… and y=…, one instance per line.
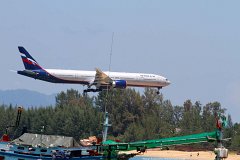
x=94, y=80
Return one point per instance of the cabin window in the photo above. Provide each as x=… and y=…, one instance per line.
x=43, y=150
x=76, y=153
x=20, y=148
x=31, y=149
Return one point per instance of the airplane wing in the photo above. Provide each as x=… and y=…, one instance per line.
x=101, y=79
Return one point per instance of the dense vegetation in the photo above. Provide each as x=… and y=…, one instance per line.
x=134, y=116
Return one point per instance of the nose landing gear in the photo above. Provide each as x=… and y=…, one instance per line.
x=158, y=92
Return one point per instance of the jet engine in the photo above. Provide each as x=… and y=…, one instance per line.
x=119, y=84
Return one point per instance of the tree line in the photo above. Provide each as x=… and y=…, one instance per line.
x=134, y=116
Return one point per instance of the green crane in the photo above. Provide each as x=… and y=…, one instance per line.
x=111, y=147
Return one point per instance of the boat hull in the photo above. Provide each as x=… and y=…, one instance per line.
x=8, y=155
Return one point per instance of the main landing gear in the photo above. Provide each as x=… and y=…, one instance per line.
x=91, y=90
x=85, y=91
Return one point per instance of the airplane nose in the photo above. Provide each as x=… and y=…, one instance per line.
x=167, y=82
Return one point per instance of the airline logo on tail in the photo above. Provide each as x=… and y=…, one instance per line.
x=32, y=68
x=29, y=62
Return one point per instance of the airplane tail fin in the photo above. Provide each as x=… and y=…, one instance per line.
x=29, y=62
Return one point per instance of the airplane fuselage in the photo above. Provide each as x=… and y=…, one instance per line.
x=101, y=80
x=87, y=77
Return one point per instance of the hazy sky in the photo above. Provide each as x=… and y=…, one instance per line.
x=195, y=44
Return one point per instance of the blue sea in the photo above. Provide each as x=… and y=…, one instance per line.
x=151, y=158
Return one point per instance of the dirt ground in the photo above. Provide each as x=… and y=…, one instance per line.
x=201, y=155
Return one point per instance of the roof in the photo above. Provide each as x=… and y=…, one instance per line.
x=46, y=140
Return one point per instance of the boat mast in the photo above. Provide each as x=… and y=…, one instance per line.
x=105, y=127
x=106, y=124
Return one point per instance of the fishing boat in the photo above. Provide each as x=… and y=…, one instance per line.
x=22, y=152
x=55, y=147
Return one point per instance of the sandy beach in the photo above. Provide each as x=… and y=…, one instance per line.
x=201, y=155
